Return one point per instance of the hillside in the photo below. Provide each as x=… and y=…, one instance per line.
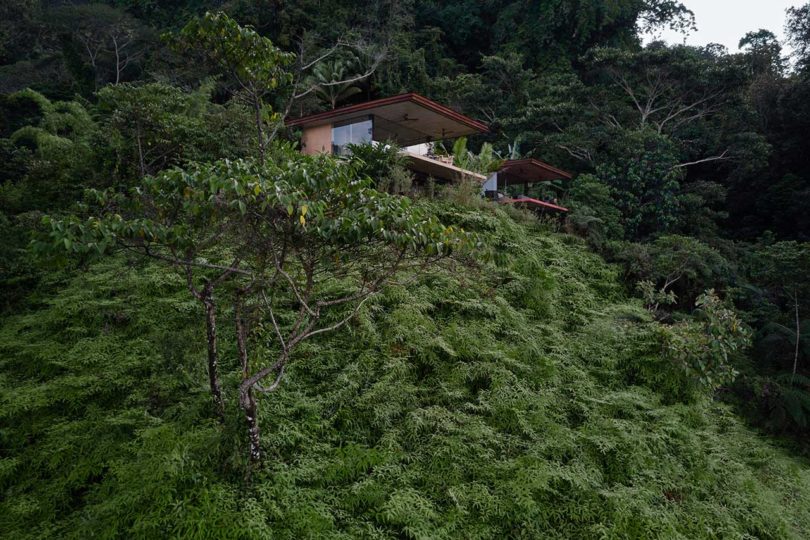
x=254, y=282
x=513, y=399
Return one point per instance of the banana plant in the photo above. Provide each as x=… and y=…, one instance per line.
x=485, y=162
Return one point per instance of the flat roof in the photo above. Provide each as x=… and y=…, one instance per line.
x=406, y=119
x=527, y=171
x=437, y=169
x=536, y=202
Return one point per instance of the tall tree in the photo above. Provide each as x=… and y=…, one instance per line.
x=110, y=41
x=798, y=31
x=764, y=52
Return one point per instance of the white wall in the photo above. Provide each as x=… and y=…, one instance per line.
x=491, y=184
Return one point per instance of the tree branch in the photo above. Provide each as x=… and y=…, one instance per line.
x=185, y=262
x=704, y=160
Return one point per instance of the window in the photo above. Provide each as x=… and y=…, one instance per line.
x=356, y=131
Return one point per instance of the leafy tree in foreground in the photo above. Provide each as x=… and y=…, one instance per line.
x=322, y=242
x=299, y=234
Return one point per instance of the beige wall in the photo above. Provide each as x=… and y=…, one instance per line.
x=317, y=139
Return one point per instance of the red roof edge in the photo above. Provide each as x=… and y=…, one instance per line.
x=536, y=163
x=411, y=96
x=535, y=201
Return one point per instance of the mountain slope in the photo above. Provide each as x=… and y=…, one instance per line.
x=509, y=400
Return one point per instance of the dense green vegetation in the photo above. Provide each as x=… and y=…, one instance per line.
x=530, y=400
x=205, y=334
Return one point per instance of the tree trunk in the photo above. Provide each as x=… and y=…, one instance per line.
x=246, y=398
x=206, y=297
x=141, y=163
x=213, y=356
x=251, y=409
x=117, y=60
x=798, y=333
x=257, y=108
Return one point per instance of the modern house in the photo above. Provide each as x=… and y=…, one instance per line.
x=523, y=172
x=414, y=122
x=411, y=121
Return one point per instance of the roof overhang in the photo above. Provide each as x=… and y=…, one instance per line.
x=438, y=169
x=529, y=171
x=535, y=202
x=406, y=119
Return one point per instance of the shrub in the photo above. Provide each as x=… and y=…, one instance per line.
x=384, y=164
x=701, y=351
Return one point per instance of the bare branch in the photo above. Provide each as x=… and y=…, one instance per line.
x=341, y=322
x=678, y=111
x=324, y=56
x=294, y=288
x=577, y=152
x=190, y=283
x=275, y=384
x=185, y=262
x=273, y=320
x=704, y=160
x=350, y=80
x=624, y=85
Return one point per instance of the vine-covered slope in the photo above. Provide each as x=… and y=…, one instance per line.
x=514, y=399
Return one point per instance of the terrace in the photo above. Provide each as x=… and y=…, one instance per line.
x=511, y=184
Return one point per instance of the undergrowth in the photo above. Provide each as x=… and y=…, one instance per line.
x=516, y=399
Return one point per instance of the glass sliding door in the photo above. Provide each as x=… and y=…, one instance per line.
x=357, y=131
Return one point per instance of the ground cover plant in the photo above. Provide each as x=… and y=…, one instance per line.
x=518, y=399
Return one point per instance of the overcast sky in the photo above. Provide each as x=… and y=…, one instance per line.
x=726, y=21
